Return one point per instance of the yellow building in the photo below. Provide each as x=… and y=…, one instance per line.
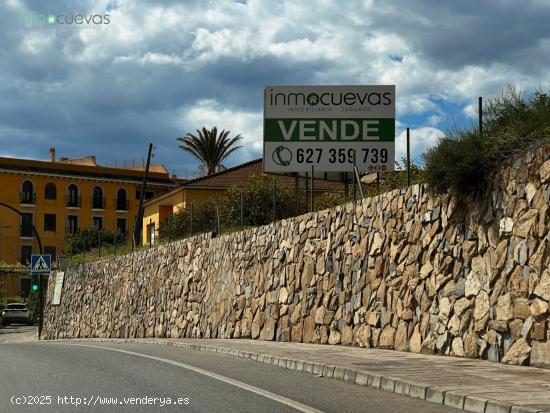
x=62, y=196
x=158, y=209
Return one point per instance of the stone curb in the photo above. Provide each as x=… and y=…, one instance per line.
x=388, y=384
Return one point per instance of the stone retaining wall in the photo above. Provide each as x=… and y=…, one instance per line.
x=404, y=270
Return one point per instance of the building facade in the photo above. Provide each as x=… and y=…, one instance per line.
x=61, y=197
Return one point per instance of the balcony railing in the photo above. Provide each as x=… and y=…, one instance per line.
x=98, y=203
x=73, y=201
x=122, y=205
x=28, y=198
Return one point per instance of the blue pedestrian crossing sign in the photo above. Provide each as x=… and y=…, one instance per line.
x=41, y=264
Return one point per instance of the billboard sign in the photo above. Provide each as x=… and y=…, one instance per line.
x=330, y=128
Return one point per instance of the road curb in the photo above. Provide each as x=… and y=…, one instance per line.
x=367, y=378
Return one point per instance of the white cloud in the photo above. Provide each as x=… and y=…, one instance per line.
x=213, y=58
x=470, y=111
x=420, y=139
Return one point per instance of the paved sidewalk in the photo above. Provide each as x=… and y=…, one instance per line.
x=472, y=385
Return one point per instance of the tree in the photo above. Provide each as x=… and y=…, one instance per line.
x=209, y=147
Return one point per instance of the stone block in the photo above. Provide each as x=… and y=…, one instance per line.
x=418, y=391
x=540, y=354
x=494, y=406
x=474, y=404
x=435, y=395
x=453, y=399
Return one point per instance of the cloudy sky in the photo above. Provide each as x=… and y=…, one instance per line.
x=162, y=68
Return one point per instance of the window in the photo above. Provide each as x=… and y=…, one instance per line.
x=27, y=193
x=50, y=192
x=121, y=225
x=49, y=222
x=51, y=251
x=121, y=200
x=151, y=233
x=98, y=202
x=72, y=224
x=97, y=223
x=26, y=252
x=26, y=227
x=73, y=200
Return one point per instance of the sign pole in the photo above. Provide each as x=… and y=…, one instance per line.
x=353, y=180
x=356, y=171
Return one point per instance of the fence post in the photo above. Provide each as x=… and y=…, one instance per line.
x=99, y=243
x=296, y=185
x=191, y=232
x=307, y=192
x=217, y=218
x=274, y=215
x=408, y=157
x=312, y=185
x=169, y=227
x=114, y=240
x=242, y=212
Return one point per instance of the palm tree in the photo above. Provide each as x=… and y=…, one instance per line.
x=209, y=147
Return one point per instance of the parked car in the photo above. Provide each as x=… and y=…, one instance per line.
x=17, y=313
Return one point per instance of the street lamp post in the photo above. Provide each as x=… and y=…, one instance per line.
x=41, y=292
x=1, y=228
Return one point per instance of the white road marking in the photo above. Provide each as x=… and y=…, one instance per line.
x=267, y=394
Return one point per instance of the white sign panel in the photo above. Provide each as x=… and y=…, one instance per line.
x=329, y=128
x=58, y=287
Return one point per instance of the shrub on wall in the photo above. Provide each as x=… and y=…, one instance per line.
x=257, y=201
x=85, y=240
x=462, y=161
x=258, y=194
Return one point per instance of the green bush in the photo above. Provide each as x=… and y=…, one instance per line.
x=85, y=240
x=328, y=200
x=257, y=196
x=462, y=161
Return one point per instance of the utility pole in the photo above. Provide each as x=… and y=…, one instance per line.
x=139, y=215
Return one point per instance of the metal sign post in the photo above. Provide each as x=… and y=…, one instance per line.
x=41, y=265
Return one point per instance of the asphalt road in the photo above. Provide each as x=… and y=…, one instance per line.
x=151, y=378
x=16, y=333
